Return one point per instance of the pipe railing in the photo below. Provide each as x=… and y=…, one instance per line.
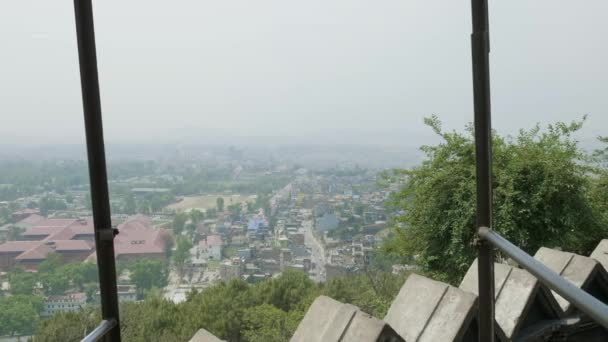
x=480, y=55
x=101, y=331
x=582, y=300
x=109, y=329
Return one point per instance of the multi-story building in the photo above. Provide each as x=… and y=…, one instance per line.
x=64, y=303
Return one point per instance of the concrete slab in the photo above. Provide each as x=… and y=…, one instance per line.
x=470, y=281
x=428, y=310
x=414, y=306
x=365, y=327
x=204, y=336
x=521, y=300
x=328, y=320
x=600, y=253
x=583, y=272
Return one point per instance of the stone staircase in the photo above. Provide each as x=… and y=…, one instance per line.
x=426, y=310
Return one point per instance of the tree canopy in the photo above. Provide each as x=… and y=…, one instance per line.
x=543, y=196
x=234, y=311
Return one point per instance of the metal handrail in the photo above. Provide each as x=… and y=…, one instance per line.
x=101, y=331
x=583, y=301
x=100, y=199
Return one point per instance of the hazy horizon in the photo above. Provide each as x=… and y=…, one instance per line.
x=313, y=73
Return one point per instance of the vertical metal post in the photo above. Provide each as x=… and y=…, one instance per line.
x=104, y=234
x=480, y=43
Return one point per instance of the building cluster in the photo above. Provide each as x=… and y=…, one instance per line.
x=74, y=240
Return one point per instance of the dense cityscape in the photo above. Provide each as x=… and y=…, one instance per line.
x=245, y=171
x=249, y=221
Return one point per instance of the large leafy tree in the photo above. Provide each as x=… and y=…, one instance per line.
x=148, y=273
x=19, y=314
x=182, y=252
x=179, y=221
x=21, y=282
x=542, y=197
x=234, y=311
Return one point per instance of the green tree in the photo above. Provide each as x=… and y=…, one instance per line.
x=19, y=314
x=54, y=283
x=22, y=283
x=265, y=323
x=14, y=233
x=48, y=203
x=148, y=273
x=541, y=182
x=130, y=204
x=211, y=213
x=196, y=216
x=52, y=262
x=287, y=291
x=69, y=326
x=182, y=252
x=179, y=221
x=220, y=204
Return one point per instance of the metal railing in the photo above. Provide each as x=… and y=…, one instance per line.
x=109, y=329
x=582, y=300
x=595, y=309
x=101, y=331
x=480, y=53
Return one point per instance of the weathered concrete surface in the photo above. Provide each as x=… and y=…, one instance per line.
x=518, y=293
x=600, y=253
x=470, y=281
x=328, y=320
x=579, y=270
x=204, y=336
x=428, y=310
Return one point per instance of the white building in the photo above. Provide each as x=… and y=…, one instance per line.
x=65, y=303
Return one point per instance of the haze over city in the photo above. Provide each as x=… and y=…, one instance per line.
x=276, y=72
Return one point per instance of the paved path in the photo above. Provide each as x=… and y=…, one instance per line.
x=317, y=250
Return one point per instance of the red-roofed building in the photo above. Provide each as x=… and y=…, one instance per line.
x=11, y=250
x=139, y=240
x=70, y=251
x=74, y=240
x=47, y=227
x=30, y=221
x=21, y=214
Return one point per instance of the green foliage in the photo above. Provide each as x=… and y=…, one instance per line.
x=211, y=213
x=68, y=327
x=48, y=203
x=130, y=205
x=196, y=216
x=31, y=177
x=22, y=283
x=148, y=273
x=542, y=197
x=179, y=221
x=234, y=311
x=219, y=203
x=52, y=262
x=265, y=323
x=182, y=251
x=235, y=211
x=14, y=233
x=19, y=314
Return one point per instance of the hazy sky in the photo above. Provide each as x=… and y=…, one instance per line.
x=343, y=71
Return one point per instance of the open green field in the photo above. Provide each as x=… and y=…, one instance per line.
x=205, y=202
